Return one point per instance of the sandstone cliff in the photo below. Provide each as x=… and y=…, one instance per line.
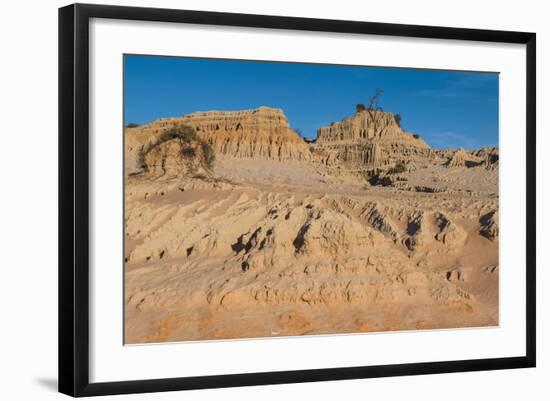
x=262, y=133
x=258, y=133
x=368, y=141
x=374, y=127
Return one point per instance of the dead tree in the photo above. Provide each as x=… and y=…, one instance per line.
x=375, y=111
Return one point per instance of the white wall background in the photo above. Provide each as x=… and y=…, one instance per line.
x=28, y=200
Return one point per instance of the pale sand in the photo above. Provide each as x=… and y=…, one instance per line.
x=269, y=248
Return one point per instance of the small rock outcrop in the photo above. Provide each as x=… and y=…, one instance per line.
x=484, y=157
x=458, y=159
x=448, y=232
x=489, y=226
x=489, y=156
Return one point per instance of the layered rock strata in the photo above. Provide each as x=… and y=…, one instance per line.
x=262, y=133
x=367, y=141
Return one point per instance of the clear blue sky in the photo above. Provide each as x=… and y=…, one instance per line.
x=448, y=109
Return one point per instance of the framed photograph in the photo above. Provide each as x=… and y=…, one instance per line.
x=250, y=199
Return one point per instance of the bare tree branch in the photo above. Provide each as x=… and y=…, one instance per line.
x=375, y=111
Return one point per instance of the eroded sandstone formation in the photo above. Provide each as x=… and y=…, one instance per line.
x=375, y=126
x=366, y=229
x=368, y=141
x=262, y=133
x=201, y=258
x=258, y=133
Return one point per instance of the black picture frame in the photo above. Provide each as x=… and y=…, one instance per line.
x=74, y=199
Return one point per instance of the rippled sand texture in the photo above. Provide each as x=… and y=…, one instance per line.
x=269, y=246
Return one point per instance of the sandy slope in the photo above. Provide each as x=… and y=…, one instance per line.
x=267, y=248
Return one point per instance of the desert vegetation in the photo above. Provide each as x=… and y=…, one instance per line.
x=187, y=137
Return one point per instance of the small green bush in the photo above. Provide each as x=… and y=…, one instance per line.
x=132, y=125
x=360, y=107
x=397, y=119
x=209, y=155
x=183, y=132
x=189, y=152
x=186, y=135
x=416, y=136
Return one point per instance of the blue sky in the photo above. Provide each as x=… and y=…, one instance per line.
x=448, y=109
